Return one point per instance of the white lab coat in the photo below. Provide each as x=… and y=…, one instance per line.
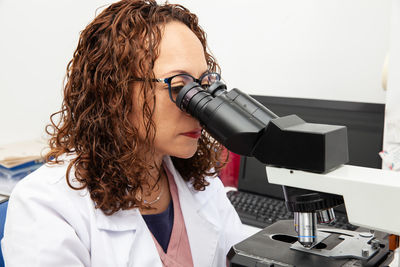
x=49, y=224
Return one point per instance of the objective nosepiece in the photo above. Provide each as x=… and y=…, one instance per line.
x=326, y=216
x=305, y=224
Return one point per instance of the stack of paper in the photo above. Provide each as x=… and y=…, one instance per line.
x=18, y=160
x=15, y=154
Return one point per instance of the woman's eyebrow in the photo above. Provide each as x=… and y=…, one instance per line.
x=174, y=72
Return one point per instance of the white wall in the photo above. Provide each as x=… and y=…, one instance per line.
x=37, y=40
x=392, y=113
x=299, y=48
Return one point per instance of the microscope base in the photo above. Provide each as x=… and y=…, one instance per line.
x=277, y=246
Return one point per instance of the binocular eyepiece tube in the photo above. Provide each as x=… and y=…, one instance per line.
x=246, y=127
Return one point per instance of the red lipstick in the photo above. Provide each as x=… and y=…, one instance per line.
x=193, y=134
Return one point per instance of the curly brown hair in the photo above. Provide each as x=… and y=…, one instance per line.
x=94, y=123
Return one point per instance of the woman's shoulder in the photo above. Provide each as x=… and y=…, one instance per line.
x=48, y=183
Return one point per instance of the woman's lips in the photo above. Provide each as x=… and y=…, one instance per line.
x=193, y=134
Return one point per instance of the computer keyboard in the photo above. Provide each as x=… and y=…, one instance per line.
x=262, y=211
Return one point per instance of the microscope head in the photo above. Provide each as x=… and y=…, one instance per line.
x=246, y=127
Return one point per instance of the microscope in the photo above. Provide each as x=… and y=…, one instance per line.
x=308, y=160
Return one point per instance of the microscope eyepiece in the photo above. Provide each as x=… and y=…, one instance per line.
x=244, y=126
x=225, y=115
x=186, y=94
x=216, y=88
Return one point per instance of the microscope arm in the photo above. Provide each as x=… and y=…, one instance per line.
x=371, y=195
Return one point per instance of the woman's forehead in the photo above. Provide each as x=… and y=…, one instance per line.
x=180, y=49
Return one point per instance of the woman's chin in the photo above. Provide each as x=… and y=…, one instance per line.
x=184, y=154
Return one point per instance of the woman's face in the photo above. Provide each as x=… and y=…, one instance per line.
x=177, y=133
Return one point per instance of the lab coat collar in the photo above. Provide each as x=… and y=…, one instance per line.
x=202, y=233
x=122, y=220
x=198, y=198
x=125, y=220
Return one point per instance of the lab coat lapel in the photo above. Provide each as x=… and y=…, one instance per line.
x=123, y=220
x=134, y=237
x=144, y=251
x=202, y=234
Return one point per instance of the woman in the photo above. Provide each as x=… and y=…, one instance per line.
x=129, y=179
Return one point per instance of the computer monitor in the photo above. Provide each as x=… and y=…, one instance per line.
x=364, y=123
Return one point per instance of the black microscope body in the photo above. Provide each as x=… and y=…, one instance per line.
x=246, y=127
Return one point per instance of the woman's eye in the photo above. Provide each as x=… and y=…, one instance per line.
x=176, y=89
x=205, y=85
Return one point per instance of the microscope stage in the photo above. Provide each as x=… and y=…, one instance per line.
x=277, y=246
